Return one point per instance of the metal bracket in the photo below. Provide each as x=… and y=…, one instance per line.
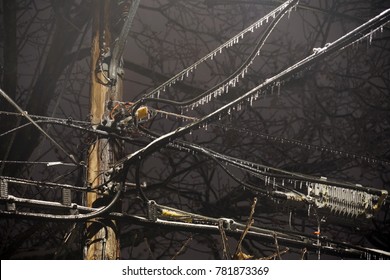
x=66, y=197
x=11, y=206
x=228, y=224
x=3, y=188
x=152, y=211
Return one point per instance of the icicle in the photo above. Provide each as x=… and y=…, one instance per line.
x=158, y=94
x=370, y=38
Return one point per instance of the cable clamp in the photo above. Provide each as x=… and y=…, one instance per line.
x=152, y=211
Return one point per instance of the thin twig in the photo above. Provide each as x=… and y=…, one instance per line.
x=149, y=249
x=304, y=252
x=182, y=248
x=276, y=254
x=226, y=250
x=277, y=246
x=248, y=226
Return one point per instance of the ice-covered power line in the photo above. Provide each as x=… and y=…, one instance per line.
x=84, y=125
x=47, y=163
x=25, y=114
x=344, y=198
x=276, y=80
x=176, y=219
x=233, y=79
x=232, y=41
x=12, y=201
x=340, y=198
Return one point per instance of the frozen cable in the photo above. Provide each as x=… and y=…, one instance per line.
x=25, y=114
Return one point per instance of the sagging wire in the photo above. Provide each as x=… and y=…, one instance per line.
x=218, y=159
x=210, y=155
x=280, y=190
x=233, y=76
x=227, y=44
x=304, y=145
x=255, y=168
x=25, y=114
x=299, y=66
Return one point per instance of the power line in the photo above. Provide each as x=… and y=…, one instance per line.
x=175, y=219
x=339, y=44
x=25, y=114
x=47, y=163
x=229, y=43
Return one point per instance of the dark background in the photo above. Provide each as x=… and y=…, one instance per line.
x=331, y=120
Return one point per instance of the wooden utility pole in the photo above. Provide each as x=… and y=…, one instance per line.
x=101, y=234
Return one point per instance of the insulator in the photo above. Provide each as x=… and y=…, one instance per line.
x=3, y=189
x=66, y=197
x=346, y=201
